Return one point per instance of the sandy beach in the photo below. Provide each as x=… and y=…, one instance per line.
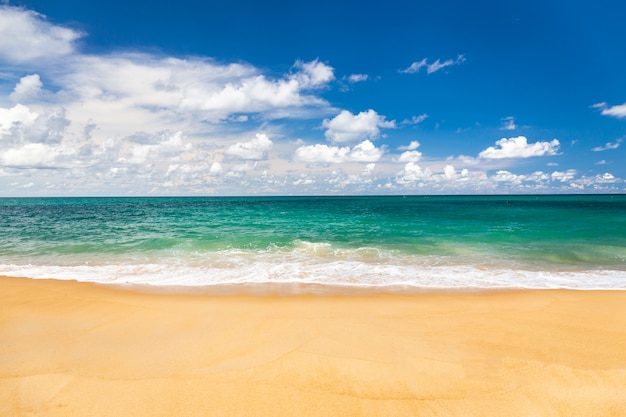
x=77, y=349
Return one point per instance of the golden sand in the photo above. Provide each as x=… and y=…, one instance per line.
x=74, y=349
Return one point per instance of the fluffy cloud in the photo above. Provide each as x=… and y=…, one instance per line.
x=15, y=117
x=27, y=36
x=348, y=128
x=28, y=88
x=519, y=148
x=312, y=74
x=365, y=151
x=21, y=125
x=140, y=123
x=618, y=111
x=31, y=140
x=410, y=156
x=144, y=148
x=190, y=86
x=413, y=172
x=30, y=155
x=506, y=176
x=255, y=149
x=563, y=176
x=432, y=67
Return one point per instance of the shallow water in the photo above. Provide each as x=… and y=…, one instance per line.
x=424, y=242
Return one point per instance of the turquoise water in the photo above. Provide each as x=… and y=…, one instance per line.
x=468, y=241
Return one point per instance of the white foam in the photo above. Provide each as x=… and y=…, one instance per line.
x=318, y=264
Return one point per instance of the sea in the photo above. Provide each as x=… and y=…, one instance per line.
x=380, y=242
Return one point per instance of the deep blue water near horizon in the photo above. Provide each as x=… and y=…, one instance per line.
x=513, y=241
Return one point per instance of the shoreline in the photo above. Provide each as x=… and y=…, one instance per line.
x=74, y=348
x=294, y=288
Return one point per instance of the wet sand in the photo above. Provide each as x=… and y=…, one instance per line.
x=76, y=349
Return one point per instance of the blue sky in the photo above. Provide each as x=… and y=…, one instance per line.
x=275, y=97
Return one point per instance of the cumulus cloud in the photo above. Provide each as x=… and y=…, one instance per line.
x=139, y=123
x=27, y=36
x=255, y=149
x=413, y=172
x=410, y=156
x=506, y=176
x=28, y=88
x=347, y=127
x=618, y=111
x=30, y=155
x=20, y=124
x=563, y=176
x=608, y=146
x=15, y=117
x=213, y=90
x=312, y=74
x=432, y=67
x=519, y=147
x=365, y=151
x=142, y=148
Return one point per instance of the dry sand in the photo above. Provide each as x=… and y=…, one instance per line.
x=74, y=349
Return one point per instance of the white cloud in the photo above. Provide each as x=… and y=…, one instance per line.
x=255, y=149
x=28, y=88
x=563, y=176
x=30, y=155
x=320, y=153
x=365, y=151
x=450, y=173
x=216, y=168
x=313, y=74
x=433, y=67
x=28, y=36
x=415, y=119
x=137, y=123
x=410, y=147
x=191, y=86
x=19, y=115
x=437, y=65
x=415, y=66
x=608, y=146
x=618, y=111
x=347, y=127
x=519, y=148
x=413, y=172
x=357, y=78
x=19, y=125
x=508, y=123
x=506, y=176
x=410, y=156
x=607, y=177
x=145, y=148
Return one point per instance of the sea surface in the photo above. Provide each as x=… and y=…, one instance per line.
x=409, y=242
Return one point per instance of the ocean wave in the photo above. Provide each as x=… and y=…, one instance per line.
x=360, y=268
